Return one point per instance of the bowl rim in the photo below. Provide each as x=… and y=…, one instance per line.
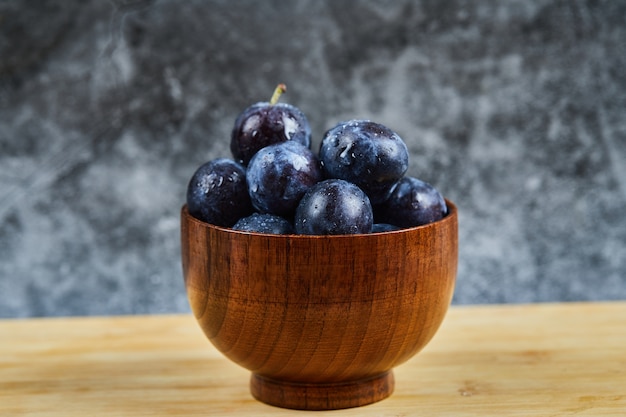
x=451, y=214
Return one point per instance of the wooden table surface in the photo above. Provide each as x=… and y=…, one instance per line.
x=513, y=360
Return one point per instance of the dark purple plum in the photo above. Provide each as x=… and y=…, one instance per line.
x=265, y=223
x=368, y=154
x=334, y=207
x=279, y=175
x=384, y=227
x=218, y=194
x=266, y=123
x=413, y=202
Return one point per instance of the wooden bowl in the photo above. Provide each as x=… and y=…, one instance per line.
x=320, y=321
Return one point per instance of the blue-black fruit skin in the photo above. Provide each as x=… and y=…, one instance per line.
x=279, y=175
x=265, y=223
x=384, y=227
x=263, y=124
x=334, y=207
x=217, y=193
x=413, y=202
x=366, y=153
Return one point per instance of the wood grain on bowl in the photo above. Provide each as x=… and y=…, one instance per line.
x=320, y=321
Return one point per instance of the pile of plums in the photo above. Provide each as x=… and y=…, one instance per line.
x=276, y=184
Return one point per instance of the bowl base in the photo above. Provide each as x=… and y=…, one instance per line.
x=322, y=396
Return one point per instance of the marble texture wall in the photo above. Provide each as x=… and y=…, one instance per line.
x=514, y=110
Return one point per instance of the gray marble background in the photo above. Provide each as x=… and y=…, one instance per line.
x=515, y=110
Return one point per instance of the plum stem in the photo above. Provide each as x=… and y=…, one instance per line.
x=280, y=89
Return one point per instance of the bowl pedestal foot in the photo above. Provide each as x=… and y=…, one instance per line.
x=322, y=396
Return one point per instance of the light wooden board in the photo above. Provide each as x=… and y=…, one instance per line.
x=516, y=360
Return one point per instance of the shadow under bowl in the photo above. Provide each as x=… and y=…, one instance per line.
x=320, y=321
